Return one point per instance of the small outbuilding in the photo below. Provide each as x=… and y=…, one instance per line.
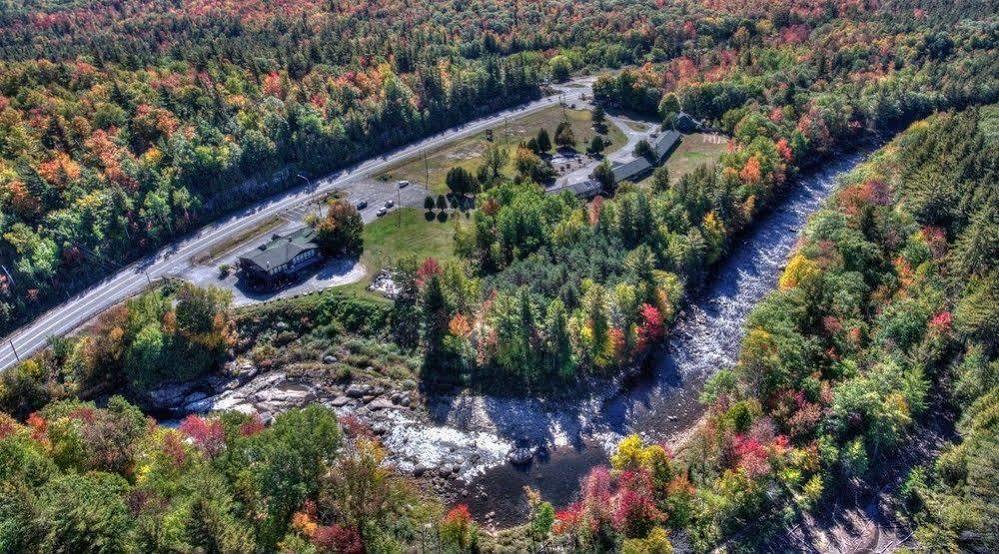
x=685, y=123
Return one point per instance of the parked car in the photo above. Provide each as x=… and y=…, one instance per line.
x=403, y=184
x=361, y=205
x=381, y=212
x=389, y=204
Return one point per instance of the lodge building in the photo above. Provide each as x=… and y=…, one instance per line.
x=281, y=260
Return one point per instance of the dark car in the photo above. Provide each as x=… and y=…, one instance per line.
x=362, y=204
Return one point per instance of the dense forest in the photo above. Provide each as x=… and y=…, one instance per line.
x=883, y=329
x=884, y=323
x=553, y=289
x=77, y=478
x=123, y=124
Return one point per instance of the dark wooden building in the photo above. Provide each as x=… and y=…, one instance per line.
x=281, y=260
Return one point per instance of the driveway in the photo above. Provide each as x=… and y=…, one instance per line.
x=625, y=154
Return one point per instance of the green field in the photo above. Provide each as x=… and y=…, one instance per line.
x=695, y=150
x=404, y=232
x=467, y=152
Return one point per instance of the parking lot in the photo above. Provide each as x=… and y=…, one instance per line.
x=372, y=192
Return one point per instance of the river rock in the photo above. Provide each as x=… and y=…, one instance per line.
x=419, y=470
x=357, y=391
x=248, y=409
x=340, y=402
x=169, y=396
x=329, y=359
x=198, y=406
x=194, y=397
x=380, y=403
x=520, y=456
x=293, y=394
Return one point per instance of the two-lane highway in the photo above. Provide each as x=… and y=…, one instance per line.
x=171, y=259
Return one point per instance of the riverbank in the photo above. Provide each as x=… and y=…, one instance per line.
x=459, y=443
x=661, y=404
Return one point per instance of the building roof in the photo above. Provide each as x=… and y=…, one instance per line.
x=686, y=122
x=664, y=144
x=627, y=170
x=282, y=249
x=586, y=189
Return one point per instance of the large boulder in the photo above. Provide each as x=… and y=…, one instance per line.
x=521, y=455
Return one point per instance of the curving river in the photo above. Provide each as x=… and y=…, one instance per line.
x=475, y=432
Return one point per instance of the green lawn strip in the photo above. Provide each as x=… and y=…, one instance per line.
x=218, y=251
x=694, y=150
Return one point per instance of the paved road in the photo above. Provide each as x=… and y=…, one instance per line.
x=175, y=258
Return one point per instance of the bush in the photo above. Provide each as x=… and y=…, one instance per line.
x=353, y=313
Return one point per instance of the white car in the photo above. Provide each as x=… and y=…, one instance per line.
x=381, y=212
x=403, y=184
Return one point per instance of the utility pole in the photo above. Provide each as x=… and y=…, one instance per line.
x=426, y=164
x=18, y=358
x=148, y=280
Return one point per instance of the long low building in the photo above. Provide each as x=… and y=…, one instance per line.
x=279, y=261
x=639, y=167
x=634, y=169
x=631, y=170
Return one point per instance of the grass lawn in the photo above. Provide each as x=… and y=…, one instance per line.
x=696, y=150
x=467, y=152
x=403, y=232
